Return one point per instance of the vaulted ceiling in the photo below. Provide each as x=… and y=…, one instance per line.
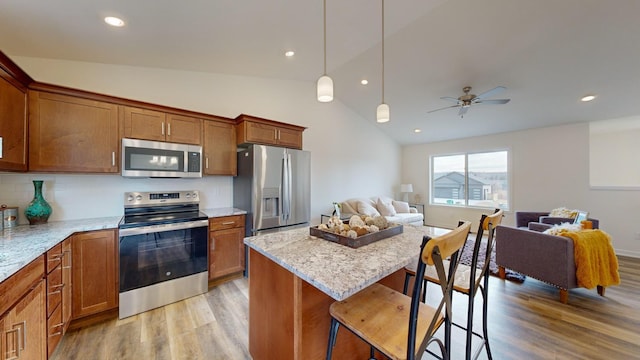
x=547, y=53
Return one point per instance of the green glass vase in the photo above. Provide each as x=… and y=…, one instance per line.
x=38, y=210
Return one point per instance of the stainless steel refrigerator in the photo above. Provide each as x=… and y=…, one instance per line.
x=273, y=186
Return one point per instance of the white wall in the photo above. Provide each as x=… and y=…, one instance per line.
x=349, y=155
x=550, y=169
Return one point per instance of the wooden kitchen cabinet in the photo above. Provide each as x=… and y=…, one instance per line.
x=220, y=149
x=13, y=124
x=226, y=245
x=23, y=301
x=256, y=130
x=67, y=293
x=160, y=126
x=70, y=134
x=94, y=270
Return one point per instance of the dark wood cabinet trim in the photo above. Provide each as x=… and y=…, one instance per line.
x=13, y=73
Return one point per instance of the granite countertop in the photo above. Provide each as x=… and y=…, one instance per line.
x=337, y=270
x=22, y=244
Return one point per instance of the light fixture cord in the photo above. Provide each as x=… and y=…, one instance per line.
x=383, y=51
x=325, y=35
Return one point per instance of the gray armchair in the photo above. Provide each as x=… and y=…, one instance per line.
x=549, y=258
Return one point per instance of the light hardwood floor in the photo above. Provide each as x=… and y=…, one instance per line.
x=526, y=321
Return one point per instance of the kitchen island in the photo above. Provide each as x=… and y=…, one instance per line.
x=294, y=278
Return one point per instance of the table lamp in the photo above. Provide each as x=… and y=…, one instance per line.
x=405, y=189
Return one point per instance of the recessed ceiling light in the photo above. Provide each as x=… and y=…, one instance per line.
x=364, y=81
x=417, y=130
x=114, y=21
x=289, y=53
x=588, y=98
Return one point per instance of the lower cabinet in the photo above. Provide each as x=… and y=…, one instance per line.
x=24, y=327
x=94, y=272
x=226, y=245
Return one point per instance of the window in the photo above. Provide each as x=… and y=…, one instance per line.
x=473, y=180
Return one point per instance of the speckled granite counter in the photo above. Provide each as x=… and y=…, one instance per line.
x=337, y=270
x=21, y=245
x=219, y=212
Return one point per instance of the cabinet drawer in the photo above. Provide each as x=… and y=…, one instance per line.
x=54, y=290
x=54, y=330
x=226, y=222
x=54, y=257
x=20, y=283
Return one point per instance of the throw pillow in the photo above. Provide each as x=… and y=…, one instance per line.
x=560, y=228
x=400, y=206
x=563, y=212
x=366, y=209
x=386, y=209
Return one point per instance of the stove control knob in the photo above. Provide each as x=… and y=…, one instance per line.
x=138, y=197
x=188, y=196
x=195, y=195
x=130, y=198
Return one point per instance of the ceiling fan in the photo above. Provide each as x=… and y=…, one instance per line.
x=465, y=101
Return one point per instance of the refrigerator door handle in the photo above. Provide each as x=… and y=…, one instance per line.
x=285, y=188
x=290, y=185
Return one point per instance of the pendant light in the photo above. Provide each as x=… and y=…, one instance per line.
x=382, y=112
x=325, y=84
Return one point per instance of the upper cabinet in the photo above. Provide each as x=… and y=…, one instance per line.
x=220, y=157
x=160, y=126
x=13, y=118
x=254, y=130
x=70, y=134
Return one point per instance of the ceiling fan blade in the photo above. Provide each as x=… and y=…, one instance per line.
x=491, y=92
x=496, y=101
x=446, y=107
x=449, y=98
x=463, y=110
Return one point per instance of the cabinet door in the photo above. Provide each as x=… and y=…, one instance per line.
x=260, y=133
x=24, y=333
x=184, y=130
x=144, y=124
x=94, y=272
x=69, y=134
x=220, y=157
x=226, y=252
x=290, y=138
x=13, y=126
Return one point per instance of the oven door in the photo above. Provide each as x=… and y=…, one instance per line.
x=157, y=253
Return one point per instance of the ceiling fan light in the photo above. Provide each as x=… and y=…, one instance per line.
x=325, y=89
x=382, y=113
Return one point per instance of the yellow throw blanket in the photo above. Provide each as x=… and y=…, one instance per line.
x=596, y=261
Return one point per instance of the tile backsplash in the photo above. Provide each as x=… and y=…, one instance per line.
x=90, y=196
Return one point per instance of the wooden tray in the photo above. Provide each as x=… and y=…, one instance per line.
x=363, y=240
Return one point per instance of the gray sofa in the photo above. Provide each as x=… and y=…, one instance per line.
x=549, y=258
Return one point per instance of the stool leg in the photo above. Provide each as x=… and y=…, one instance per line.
x=407, y=276
x=333, y=334
x=469, y=325
x=485, y=301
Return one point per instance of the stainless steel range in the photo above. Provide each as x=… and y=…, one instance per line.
x=163, y=250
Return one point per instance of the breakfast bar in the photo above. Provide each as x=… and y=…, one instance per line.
x=294, y=278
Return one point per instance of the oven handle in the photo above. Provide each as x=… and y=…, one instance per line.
x=163, y=227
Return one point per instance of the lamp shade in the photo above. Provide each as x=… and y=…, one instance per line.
x=382, y=113
x=325, y=89
x=406, y=188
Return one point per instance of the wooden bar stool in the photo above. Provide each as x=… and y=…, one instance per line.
x=399, y=326
x=468, y=280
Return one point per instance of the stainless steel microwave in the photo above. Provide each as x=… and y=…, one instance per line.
x=142, y=158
